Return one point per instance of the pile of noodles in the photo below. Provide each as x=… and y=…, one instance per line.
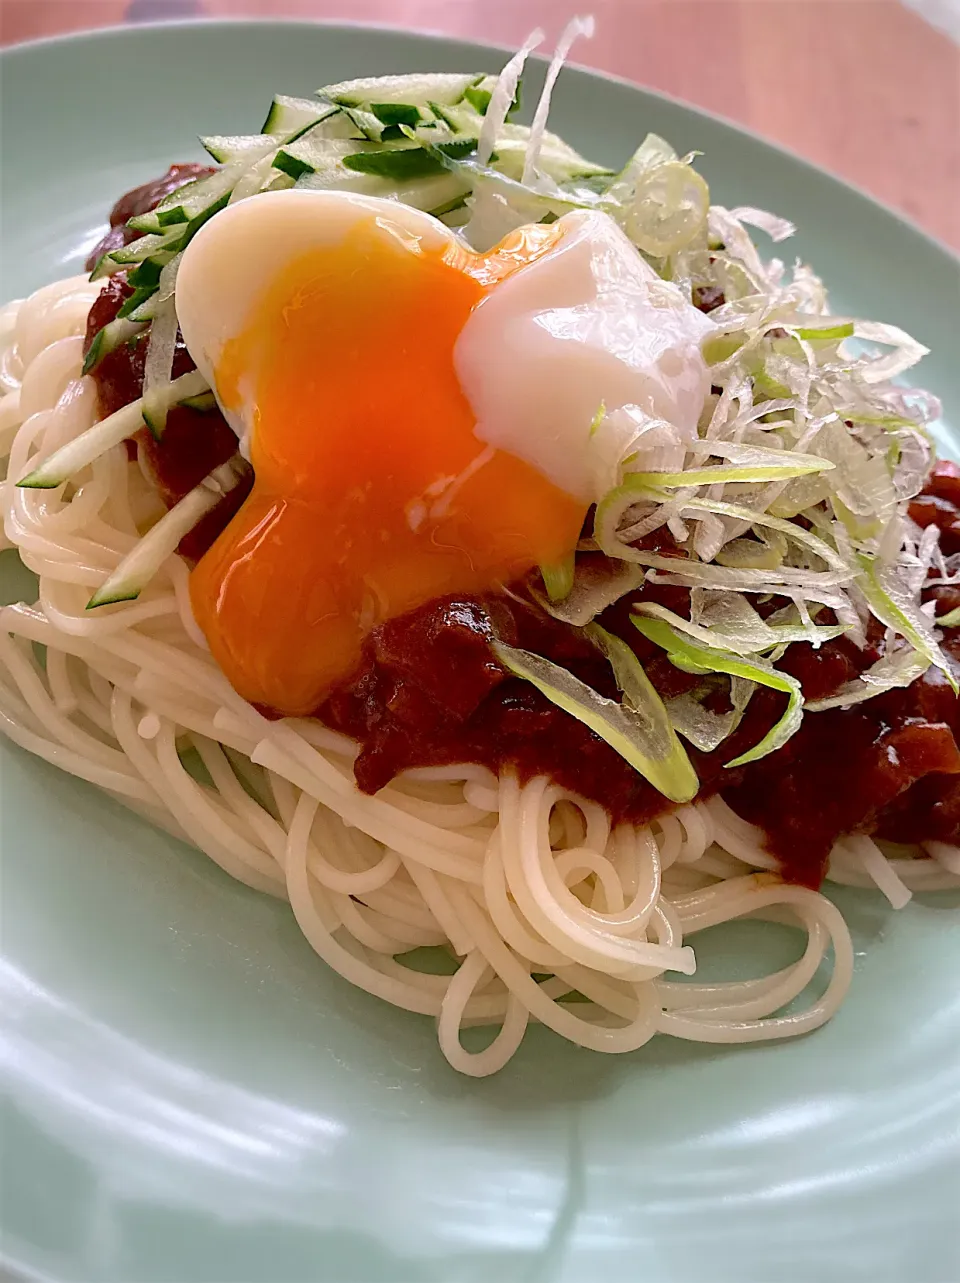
x=546, y=912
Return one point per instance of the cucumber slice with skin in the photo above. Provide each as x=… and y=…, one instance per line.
x=147, y=273
x=103, y=436
x=203, y=401
x=196, y=199
x=290, y=115
x=312, y=154
x=558, y=160
x=370, y=126
x=460, y=119
x=113, y=335
x=436, y=194
x=397, y=113
x=140, y=565
x=478, y=98
x=135, y=302
x=147, y=246
x=413, y=89
x=314, y=147
x=402, y=164
x=227, y=148
x=479, y=95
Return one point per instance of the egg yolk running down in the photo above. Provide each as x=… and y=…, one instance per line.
x=373, y=495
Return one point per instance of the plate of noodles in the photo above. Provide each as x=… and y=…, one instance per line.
x=478, y=678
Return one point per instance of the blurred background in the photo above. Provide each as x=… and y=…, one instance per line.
x=869, y=89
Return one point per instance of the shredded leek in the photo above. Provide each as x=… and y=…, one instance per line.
x=692, y=658
x=899, y=669
x=741, y=631
x=895, y=607
x=639, y=730
x=704, y=729
x=558, y=578
x=843, y=330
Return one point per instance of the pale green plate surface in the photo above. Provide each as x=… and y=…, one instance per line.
x=190, y=1095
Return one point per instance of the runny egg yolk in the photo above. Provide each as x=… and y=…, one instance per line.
x=373, y=495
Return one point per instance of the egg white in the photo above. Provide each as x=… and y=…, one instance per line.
x=589, y=323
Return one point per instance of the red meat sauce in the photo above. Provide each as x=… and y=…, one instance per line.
x=430, y=691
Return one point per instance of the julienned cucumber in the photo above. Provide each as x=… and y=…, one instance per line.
x=227, y=148
x=195, y=199
x=298, y=155
x=145, y=559
x=289, y=115
x=557, y=159
x=415, y=90
x=400, y=137
x=314, y=154
x=437, y=194
x=147, y=246
x=113, y=335
x=407, y=162
x=103, y=436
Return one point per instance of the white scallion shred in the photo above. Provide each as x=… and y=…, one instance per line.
x=502, y=97
x=574, y=29
x=158, y=365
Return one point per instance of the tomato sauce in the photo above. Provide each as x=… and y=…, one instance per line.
x=430, y=691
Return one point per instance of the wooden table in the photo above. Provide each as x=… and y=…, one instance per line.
x=863, y=87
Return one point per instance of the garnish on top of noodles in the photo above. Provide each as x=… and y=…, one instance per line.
x=741, y=442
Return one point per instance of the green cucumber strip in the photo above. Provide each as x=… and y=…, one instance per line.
x=113, y=335
x=104, y=266
x=402, y=164
x=288, y=115
x=479, y=95
x=370, y=126
x=146, y=246
x=437, y=192
x=557, y=158
x=195, y=199
x=202, y=401
x=141, y=306
x=396, y=113
x=140, y=565
x=313, y=154
x=460, y=119
x=135, y=302
x=290, y=164
x=148, y=273
x=226, y=148
x=448, y=88
x=478, y=98
x=103, y=436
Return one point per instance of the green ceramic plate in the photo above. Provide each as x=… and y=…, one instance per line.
x=190, y=1095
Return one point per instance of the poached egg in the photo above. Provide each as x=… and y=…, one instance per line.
x=422, y=420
